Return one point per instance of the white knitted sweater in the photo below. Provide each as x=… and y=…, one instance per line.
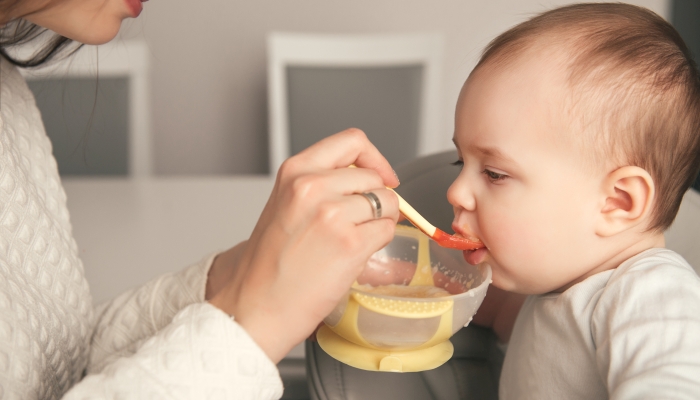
x=157, y=341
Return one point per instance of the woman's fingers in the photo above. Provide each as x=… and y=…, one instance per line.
x=342, y=181
x=311, y=242
x=380, y=230
x=335, y=194
x=361, y=208
x=340, y=150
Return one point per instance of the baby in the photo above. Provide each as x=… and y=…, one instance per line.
x=578, y=133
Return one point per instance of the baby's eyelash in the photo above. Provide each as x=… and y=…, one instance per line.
x=494, y=176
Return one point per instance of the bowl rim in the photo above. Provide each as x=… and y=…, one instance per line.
x=484, y=284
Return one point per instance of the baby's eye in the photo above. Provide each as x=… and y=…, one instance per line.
x=494, y=176
x=458, y=162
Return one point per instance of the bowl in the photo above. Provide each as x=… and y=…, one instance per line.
x=412, y=296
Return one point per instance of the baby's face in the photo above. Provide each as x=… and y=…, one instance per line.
x=524, y=189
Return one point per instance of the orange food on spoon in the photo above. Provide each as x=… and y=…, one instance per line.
x=438, y=235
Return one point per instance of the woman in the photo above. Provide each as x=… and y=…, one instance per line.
x=213, y=330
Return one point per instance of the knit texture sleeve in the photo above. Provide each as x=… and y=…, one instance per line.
x=123, y=324
x=201, y=354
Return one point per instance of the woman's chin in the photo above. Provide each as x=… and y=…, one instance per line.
x=91, y=30
x=99, y=35
x=97, y=31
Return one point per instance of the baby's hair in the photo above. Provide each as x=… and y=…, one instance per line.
x=634, y=86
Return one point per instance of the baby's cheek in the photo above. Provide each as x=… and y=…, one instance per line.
x=516, y=248
x=512, y=239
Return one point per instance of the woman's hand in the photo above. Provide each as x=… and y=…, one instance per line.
x=310, y=244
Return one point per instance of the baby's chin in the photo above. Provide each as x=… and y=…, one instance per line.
x=527, y=289
x=502, y=281
x=523, y=283
x=498, y=280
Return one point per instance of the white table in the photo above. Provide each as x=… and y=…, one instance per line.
x=132, y=230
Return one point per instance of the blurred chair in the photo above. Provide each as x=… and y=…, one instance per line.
x=386, y=85
x=96, y=109
x=682, y=236
x=474, y=370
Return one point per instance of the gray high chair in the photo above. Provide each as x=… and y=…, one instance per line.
x=473, y=371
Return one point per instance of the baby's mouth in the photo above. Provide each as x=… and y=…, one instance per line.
x=468, y=237
x=476, y=256
x=463, y=233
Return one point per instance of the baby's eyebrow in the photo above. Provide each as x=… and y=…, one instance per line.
x=487, y=151
x=491, y=152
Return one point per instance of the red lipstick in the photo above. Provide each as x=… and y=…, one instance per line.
x=135, y=7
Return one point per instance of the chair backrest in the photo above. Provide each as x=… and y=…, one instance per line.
x=387, y=85
x=98, y=98
x=682, y=236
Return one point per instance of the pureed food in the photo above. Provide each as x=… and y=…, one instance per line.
x=416, y=292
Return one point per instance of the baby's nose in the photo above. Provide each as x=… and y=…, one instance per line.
x=461, y=196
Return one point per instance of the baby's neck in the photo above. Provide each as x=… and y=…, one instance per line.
x=625, y=251
x=622, y=252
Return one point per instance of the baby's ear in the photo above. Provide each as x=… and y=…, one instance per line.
x=629, y=195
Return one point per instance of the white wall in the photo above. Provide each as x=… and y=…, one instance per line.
x=208, y=66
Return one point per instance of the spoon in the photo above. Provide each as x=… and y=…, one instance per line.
x=438, y=235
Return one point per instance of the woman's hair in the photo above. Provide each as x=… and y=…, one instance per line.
x=19, y=32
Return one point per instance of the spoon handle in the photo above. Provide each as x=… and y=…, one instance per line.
x=438, y=235
x=414, y=217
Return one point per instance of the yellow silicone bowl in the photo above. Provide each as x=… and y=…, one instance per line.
x=380, y=326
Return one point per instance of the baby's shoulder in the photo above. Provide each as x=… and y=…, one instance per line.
x=654, y=281
x=645, y=327
x=655, y=267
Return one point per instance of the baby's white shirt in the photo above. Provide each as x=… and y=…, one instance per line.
x=628, y=333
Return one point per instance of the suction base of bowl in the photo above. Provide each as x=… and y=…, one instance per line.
x=380, y=360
